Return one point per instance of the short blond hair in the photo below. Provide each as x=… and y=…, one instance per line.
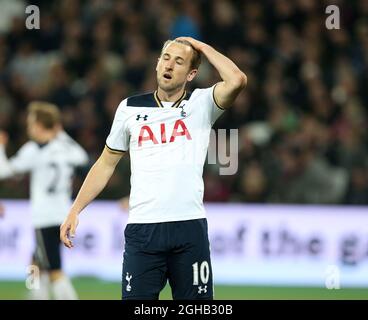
x=45, y=113
x=196, y=57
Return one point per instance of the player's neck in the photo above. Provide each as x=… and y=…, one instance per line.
x=169, y=96
x=46, y=137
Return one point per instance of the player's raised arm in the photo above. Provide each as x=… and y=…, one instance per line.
x=96, y=180
x=5, y=168
x=233, y=79
x=20, y=163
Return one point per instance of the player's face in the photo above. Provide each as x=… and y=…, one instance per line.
x=35, y=129
x=174, y=67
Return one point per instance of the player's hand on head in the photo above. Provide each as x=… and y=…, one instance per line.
x=68, y=228
x=195, y=43
x=3, y=138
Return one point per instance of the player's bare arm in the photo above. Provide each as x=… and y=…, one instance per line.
x=96, y=180
x=233, y=79
x=5, y=168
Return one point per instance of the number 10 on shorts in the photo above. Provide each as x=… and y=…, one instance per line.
x=204, y=273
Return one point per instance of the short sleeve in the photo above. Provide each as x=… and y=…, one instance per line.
x=214, y=111
x=24, y=160
x=118, y=139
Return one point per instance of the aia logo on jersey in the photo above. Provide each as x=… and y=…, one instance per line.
x=180, y=129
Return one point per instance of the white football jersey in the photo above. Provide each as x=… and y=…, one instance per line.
x=51, y=167
x=168, y=145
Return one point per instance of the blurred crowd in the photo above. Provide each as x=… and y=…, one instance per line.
x=302, y=121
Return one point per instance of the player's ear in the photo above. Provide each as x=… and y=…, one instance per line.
x=192, y=74
x=158, y=61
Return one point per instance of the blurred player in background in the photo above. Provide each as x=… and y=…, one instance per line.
x=50, y=157
x=2, y=210
x=167, y=133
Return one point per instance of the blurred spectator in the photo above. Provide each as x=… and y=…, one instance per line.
x=253, y=184
x=10, y=9
x=357, y=192
x=187, y=21
x=305, y=177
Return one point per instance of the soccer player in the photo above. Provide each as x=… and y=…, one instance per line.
x=50, y=157
x=167, y=133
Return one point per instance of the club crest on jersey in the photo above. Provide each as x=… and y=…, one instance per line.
x=183, y=113
x=146, y=133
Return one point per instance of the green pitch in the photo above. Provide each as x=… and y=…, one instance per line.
x=91, y=288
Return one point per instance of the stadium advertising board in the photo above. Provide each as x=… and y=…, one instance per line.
x=250, y=244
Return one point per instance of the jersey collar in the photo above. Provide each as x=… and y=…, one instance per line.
x=176, y=103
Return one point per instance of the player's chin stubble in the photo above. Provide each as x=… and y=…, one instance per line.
x=169, y=87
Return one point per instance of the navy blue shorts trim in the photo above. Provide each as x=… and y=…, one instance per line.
x=177, y=252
